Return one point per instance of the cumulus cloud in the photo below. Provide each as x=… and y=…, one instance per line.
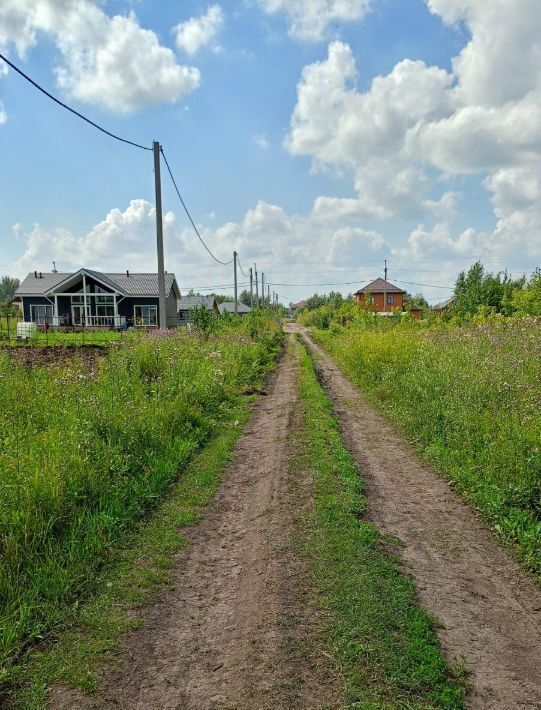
x=199, y=32
x=109, y=61
x=310, y=19
x=413, y=129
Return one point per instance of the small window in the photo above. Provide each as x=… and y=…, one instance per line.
x=40, y=314
x=105, y=299
x=145, y=315
x=390, y=299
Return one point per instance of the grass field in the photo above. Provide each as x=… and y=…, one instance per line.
x=383, y=645
x=85, y=454
x=470, y=400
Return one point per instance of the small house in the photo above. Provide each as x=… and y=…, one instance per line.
x=385, y=296
x=93, y=299
x=229, y=307
x=186, y=306
x=443, y=307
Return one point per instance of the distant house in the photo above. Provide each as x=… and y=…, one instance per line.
x=229, y=307
x=385, y=296
x=92, y=299
x=294, y=307
x=443, y=307
x=186, y=306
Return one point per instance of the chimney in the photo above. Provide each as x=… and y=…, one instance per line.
x=35, y=274
x=40, y=275
x=127, y=273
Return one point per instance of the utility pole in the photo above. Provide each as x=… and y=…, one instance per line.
x=268, y=296
x=236, y=292
x=256, y=287
x=263, y=289
x=159, y=234
x=385, y=288
x=251, y=288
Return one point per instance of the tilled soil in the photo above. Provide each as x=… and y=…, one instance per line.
x=54, y=355
x=488, y=607
x=236, y=630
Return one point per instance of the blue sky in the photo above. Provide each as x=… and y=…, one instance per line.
x=317, y=138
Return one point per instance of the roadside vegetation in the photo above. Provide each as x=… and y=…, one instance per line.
x=86, y=454
x=465, y=387
x=384, y=646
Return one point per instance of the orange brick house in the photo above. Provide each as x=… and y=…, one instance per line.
x=385, y=296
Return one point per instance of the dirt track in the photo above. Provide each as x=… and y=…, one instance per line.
x=490, y=610
x=236, y=629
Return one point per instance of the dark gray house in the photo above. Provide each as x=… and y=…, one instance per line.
x=229, y=307
x=186, y=305
x=92, y=299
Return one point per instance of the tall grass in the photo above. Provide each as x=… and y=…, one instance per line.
x=85, y=454
x=470, y=399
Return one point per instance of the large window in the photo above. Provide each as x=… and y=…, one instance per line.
x=40, y=314
x=145, y=315
x=105, y=310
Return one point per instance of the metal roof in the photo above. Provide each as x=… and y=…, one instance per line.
x=229, y=307
x=188, y=303
x=133, y=285
x=380, y=286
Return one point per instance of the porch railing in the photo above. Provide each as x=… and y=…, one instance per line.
x=91, y=322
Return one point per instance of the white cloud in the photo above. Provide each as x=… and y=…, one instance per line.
x=310, y=19
x=261, y=141
x=109, y=61
x=199, y=32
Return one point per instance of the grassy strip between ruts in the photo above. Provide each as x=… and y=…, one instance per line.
x=383, y=644
x=139, y=570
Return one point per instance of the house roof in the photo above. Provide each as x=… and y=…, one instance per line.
x=380, y=286
x=188, y=303
x=229, y=307
x=297, y=306
x=443, y=304
x=133, y=285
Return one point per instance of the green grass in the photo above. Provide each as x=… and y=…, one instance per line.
x=469, y=398
x=382, y=643
x=49, y=338
x=84, y=456
x=138, y=570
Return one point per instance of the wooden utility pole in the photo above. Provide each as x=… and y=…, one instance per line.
x=385, y=288
x=251, y=288
x=263, y=289
x=256, y=287
x=159, y=234
x=268, y=296
x=236, y=291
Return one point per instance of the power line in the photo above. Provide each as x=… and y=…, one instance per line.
x=350, y=283
x=241, y=269
x=219, y=261
x=68, y=108
x=413, y=283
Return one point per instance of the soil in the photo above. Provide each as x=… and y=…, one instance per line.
x=237, y=630
x=34, y=356
x=488, y=609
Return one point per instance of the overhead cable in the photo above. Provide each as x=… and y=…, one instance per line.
x=219, y=261
x=68, y=108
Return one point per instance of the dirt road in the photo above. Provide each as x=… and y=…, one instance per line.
x=234, y=630
x=489, y=609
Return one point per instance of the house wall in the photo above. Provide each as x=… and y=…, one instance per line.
x=125, y=307
x=171, y=309
x=377, y=299
x=34, y=301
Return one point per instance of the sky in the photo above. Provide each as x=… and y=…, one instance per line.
x=317, y=138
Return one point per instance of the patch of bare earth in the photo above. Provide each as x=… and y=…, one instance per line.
x=488, y=607
x=55, y=355
x=236, y=629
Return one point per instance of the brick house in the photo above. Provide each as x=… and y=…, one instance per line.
x=385, y=296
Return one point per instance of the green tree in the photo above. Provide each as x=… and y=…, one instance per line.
x=8, y=286
x=476, y=288
x=527, y=300
x=245, y=298
x=203, y=321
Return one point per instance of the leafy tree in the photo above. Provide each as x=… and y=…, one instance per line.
x=477, y=288
x=527, y=300
x=316, y=301
x=203, y=321
x=8, y=286
x=245, y=298
x=415, y=301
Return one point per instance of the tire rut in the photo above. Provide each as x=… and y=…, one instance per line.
x=488, y=607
